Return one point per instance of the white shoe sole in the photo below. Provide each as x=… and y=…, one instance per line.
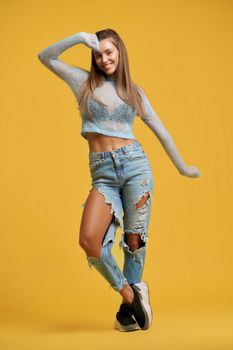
x=121, y=328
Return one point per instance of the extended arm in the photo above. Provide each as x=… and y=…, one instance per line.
x=73, y=76
x=151, y=119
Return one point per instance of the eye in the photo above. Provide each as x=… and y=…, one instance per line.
x=97, y=56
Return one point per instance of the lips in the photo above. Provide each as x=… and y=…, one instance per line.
x=108, y=65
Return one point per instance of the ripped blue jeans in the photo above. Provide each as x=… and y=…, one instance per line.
x=123, y=176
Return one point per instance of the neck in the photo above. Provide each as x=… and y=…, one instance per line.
x=111, y=77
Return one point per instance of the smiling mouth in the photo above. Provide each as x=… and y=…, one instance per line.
x=108, y=65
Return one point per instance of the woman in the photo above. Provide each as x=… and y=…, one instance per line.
x=120, y=170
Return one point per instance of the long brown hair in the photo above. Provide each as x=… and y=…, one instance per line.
x=125, y=88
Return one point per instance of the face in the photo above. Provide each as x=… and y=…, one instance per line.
x=107, y=56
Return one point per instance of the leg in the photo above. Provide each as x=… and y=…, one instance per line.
x=134, y=239
x=96, y=220
x=134, y=242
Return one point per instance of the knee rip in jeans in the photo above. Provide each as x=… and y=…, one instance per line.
x=142, y=206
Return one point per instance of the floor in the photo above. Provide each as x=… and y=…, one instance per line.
x=174, y=329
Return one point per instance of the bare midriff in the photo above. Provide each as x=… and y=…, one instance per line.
x=102, y=143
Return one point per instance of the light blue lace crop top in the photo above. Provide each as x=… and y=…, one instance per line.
x=116, y=117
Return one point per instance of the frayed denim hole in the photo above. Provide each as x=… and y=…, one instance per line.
x=117, y=218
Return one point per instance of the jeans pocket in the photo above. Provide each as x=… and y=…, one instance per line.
x=94, y=164
x=136, y=154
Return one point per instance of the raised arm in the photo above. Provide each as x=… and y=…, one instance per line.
x=73, y=76
x=151, y=119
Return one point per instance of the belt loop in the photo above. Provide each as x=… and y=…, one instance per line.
x=124, y=149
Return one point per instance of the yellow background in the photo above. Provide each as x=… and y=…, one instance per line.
x=181, y=53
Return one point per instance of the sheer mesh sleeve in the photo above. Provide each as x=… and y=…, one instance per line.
x=73, y=76
x=152, y=120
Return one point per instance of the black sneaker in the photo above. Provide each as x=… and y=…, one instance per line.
x=124, y=321
x=140, y=306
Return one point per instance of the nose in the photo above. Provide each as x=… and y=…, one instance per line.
x=104, y=59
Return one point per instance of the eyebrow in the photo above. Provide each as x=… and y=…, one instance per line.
x=98, y=53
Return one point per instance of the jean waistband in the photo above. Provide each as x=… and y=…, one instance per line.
x=122, y=150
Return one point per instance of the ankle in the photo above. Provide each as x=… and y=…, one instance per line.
x=128, y=299
x=127, y=294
